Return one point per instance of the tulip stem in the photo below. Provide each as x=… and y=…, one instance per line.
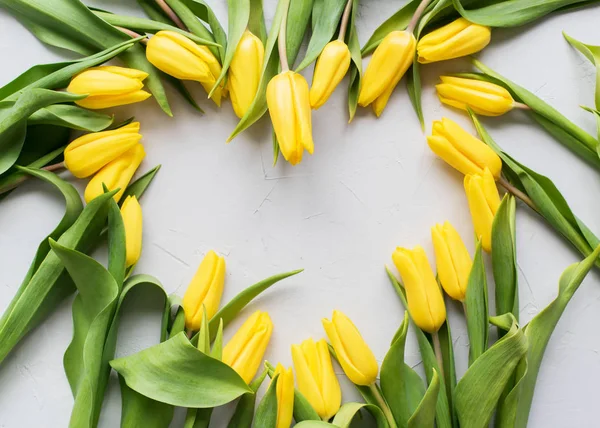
x=26, y=177
x=131, y=33
x=521, y=106
x=171, y=14
x=417, y=15
x=383, y=405
x=281, y=39
x=517, y=193
x=437, y=349
x=345, y=19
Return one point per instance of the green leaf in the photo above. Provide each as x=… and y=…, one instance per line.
x=140, y=411
x=445, y=337
x=324, y=28
x=303, y=410
x=397, y=22
x=479, y=389
x=244, y=411
x=314, y=424
x=596, y=114
x=298, y=18
x=256, y=21
x=355, y=65
x=198, y=418
x=203, y=11
x=476, y=304
x=177, y=373
x=181, y=87
x=70, y=116
x=266, y=413
x=593, y=54
x=139, y=186
x=154, y=12
x=424, y=416
x=348, y=412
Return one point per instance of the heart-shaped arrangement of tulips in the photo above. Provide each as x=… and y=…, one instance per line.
x=183, y=42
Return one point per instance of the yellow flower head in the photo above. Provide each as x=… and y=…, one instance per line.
x=285, y=396
x=485, y=98
x=354, y=355
x=425, y=300
x=108, y=86
x=205, y=291
x=131, y=212
x=331, y=67
x=484, y=201
x=452, y=260
x=245, y=72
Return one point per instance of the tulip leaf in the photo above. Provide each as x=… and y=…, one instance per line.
x=592, y=53
x=325, y=26
x=70, y=116
x=314, y=424
x=154, y=12
x=397, y=22
x=244, y=411
x=515, y=411
x=138, y=410
x=266, y=412
x=445, y=337
x=299, y=14
x=303, y=410
x=512, y=13
x=478, y=391
x=177, y=373
x=356, y=64
x=476, y=304
x=139, y=186
x=348, y=412
x=256, y=20
x=424, y=415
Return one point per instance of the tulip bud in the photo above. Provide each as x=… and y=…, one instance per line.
x=87, y=154
x=178, y=56
x=315, y=377
x=131, y=212
x=425, y=300
x=108, y=86
x=245, y=72
x=462, y=150
x=452, y=260
x=116, y=174
x=289, y=107
x=205, y=291
x=331, y=67
x=285, y=396
x=353, y=354
x=485, y=98
x=245, y=351
x=454, y=40
x=391, y=59
x=484, y=201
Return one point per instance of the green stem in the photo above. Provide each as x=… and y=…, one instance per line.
x=18, y=182
x=171, y=14
x=437, y=349
x=281, y=39
x=417, y=15
x=345, y=19
x=516, y=192
x=383, y=405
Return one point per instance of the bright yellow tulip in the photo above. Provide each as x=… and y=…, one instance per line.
x=205, y=291
x=116, y=174
x=454, y=40
x=452, y=260
x=285, y=396
x=178, y=56
x=289, y=107
x=108, y=86
x=331, y=67
x=316, y=378
x=391, y=59
x=425, y=300
x=245, y=351
x=354, y=355
x=131, y=212
x=484, y=201
x=245, y=72
x=485, y=98
x=462, y=150
x=85, y=155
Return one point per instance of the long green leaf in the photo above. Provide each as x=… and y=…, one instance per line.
x=70, y=116
x=355, y=65
x=266, y=413
x=476, y=304
x=244, y=411
x=397, y=22
x=424, y=415
x=139, y=186
x=592, y=53
x=349, y=411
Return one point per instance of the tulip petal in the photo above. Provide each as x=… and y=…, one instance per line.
x=301, y=100
x=481, y=214
x=177, y=58
x=95, y=102
x=457, y=39
x=285, y=396
x=331, y=67
x=101, y=82
x=308, y=382
x=131, y=211
x=245, y=72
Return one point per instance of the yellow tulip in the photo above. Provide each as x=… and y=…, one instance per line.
x=485, y=98
x=315, y=377
x=462, y=150
x=245, y=72
x=454, y=40
x=452, y=260
x=425, y=300
x=85, y=155
x=484, y=201
x=391, y=59
x=116, y=174
x=331, y=67
x=354, y=355
x=205, y=291
x=289, y=107
x=108, y=86
x=285, y=396
x=245, y=351
x=131, y=211
x=178, y=56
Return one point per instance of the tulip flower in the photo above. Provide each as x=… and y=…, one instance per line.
x=315, y=377
x=116, y=174
x=484, y=201
x=425, y=300
x=85, y=155
x=462, y=150
x=454, y=40
x=285, y=396
x=331, y=67
x=131, y=212
x=452, y=260
x=245, y=351
x=289, y=107
x=178, y=56
x=108, y=86
x=353, y=354
x=391, y=59
x=245, y=72
x=485, y=98
x=205, y=291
